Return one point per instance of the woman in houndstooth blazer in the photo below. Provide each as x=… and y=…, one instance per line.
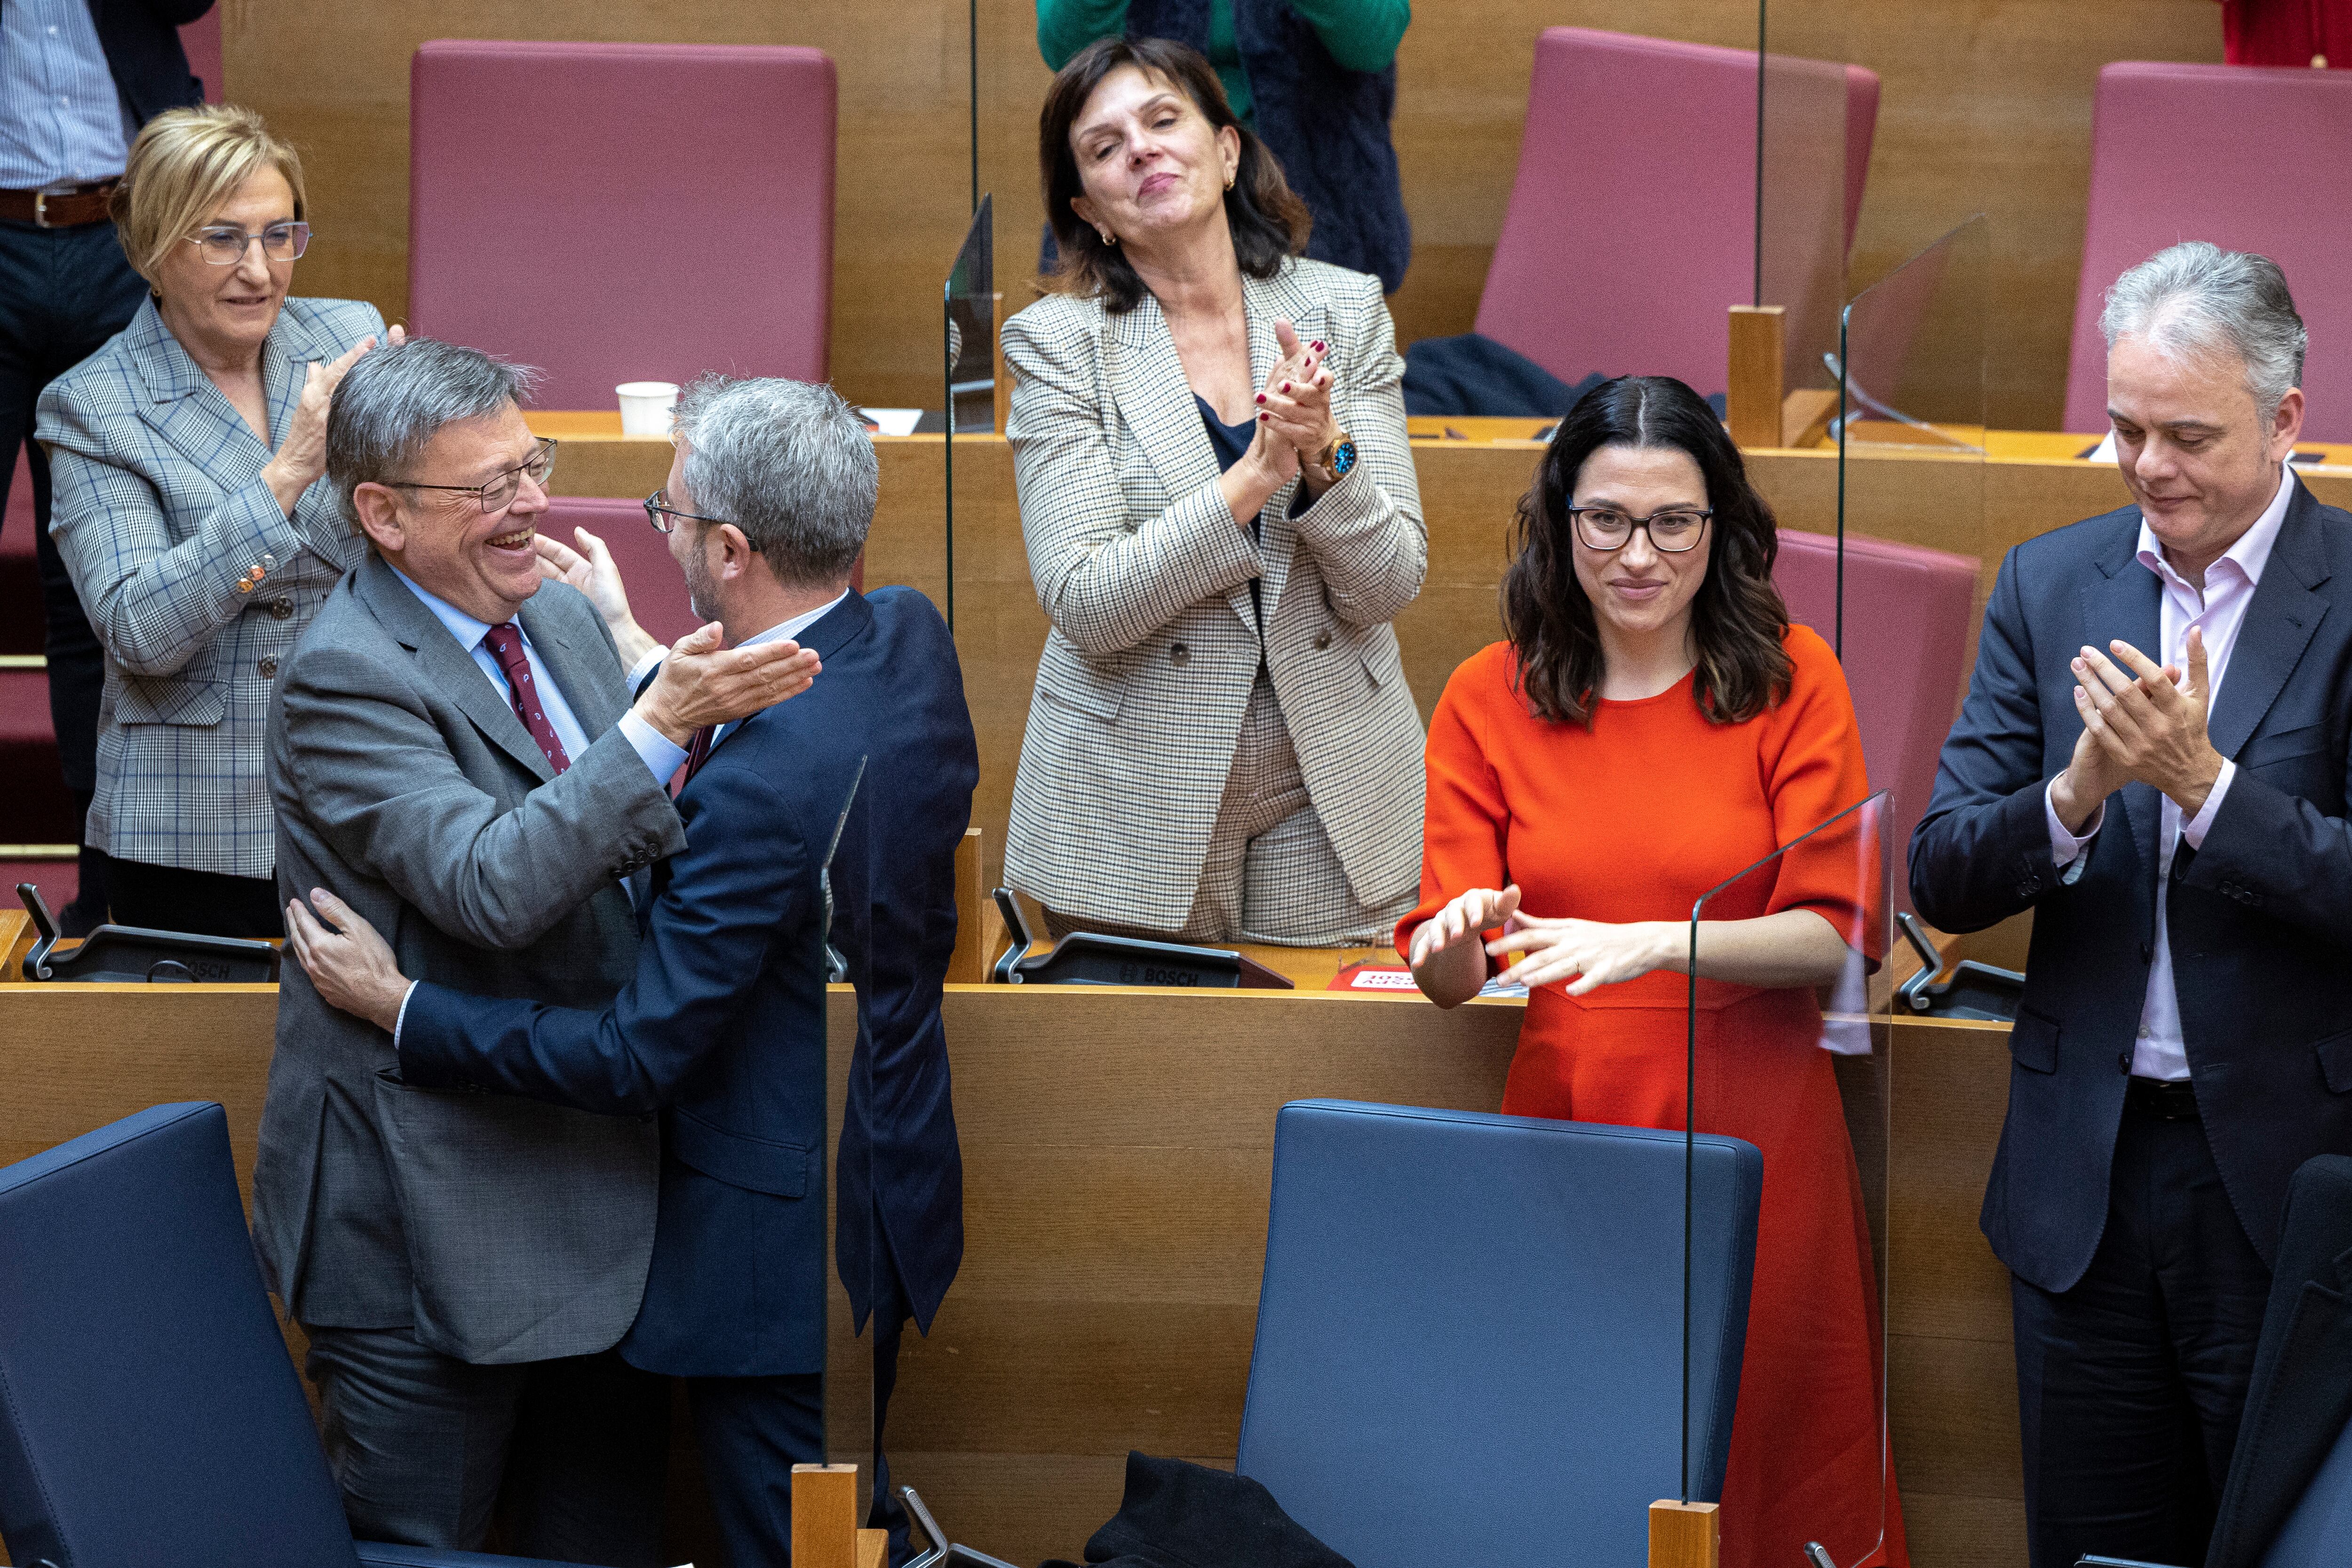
x=187, y=455
x=1221, y=521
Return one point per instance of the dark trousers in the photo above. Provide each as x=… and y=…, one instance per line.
x=569, y=1456
x=2131, y=1385
x=171, y=898
x=751, y=1431
x=63, y=293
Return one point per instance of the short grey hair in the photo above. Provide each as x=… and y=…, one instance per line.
x=789, y=464
x=2196, y=299
x=395, y=399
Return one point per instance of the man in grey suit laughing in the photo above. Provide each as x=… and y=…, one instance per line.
x=455, y=752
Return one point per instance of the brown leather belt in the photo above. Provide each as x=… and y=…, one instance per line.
x=69, y=207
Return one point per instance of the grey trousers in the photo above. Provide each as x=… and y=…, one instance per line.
x=571, y=1456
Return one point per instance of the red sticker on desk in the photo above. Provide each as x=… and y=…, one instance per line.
x=1389, y=977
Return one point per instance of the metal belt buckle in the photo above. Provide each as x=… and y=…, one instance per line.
x=41, y=207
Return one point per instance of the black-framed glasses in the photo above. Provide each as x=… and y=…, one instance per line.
x=664, y=516
x=224, y=243
x=498, y=493
x=1672, y=530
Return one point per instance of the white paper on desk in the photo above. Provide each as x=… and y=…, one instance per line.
x=2104, y=452
x=894, y=422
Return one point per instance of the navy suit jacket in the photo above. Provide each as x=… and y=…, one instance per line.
x=722, y=1030
x=2259, y=916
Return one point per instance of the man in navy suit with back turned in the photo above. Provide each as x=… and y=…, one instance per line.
x=2152, y=759
x=832, y=820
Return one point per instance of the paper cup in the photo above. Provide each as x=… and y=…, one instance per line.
x=645, y=406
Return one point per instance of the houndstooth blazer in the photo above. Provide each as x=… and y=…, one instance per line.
x=1155, y=644
x=160, y=514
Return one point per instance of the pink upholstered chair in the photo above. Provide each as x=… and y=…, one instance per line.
x=657, y=588
x=201, y=40
x=2251, y=159
x=1630, y=235
x=624, y=211
x=1906, y=650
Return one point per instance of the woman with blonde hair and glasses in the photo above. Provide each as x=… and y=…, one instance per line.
x=187, y=456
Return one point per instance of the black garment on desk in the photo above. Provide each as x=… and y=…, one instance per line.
x=2300, y=1392
x=1176, y=1515
x=1474, y=376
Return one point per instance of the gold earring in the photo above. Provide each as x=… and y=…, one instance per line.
x=1229, y=182
x=1109, y=239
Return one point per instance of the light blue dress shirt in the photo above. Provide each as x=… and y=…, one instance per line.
x=650, y=744
x=62, y=120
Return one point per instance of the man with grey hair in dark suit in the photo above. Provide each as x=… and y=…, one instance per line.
x=455, y=752
x=2152, y=759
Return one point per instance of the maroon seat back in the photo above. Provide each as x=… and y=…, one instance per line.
x=1906, y=650
x=2250, y=158
x=1629, y=235
x=624, y=211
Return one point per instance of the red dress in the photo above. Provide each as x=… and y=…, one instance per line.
x=1635, y=819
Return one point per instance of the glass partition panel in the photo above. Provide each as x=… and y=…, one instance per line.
x=1803, y=225
x=1914, y=561
x=839, y=950
x=1787, y=1031
x=969, y=313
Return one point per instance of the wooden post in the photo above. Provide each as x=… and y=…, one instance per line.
x=1003, y=381
x=1758, y=366
x=873, y=1548
x=968, y=965
x=824, y=1516
x=1684, y=1535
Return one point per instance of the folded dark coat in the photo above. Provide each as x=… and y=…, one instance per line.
x=1176, y=1515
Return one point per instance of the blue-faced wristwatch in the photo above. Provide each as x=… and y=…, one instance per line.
x=1338, y=457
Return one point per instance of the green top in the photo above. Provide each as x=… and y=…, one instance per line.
x=1363, y=35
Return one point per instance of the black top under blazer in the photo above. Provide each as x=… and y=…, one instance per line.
x=2259, y=916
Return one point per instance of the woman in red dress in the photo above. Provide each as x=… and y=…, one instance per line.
x=1653, y=727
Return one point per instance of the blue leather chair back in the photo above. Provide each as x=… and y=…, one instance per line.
x=1470, y=1330
x=149, y=1413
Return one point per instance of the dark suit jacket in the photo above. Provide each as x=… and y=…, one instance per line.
x=723, y=1027
x=141, y=41
x=2259, y=916
x=2301, y=1395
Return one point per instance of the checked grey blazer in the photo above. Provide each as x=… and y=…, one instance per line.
x=1155, y=642
x=159, y=513
x=500, y=1229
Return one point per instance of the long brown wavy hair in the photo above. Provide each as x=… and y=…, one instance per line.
x=1737, y=619
x=1270, y=224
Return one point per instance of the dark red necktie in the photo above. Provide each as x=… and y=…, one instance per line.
x=506, y=645
x=698, y=752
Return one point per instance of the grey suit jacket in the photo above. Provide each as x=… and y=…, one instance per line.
x=1155, y=642
x=501, y=1229
x=161, y=513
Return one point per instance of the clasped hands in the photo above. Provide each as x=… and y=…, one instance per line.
x=701, y=682
x=1294, y=425
x=1597, y=952
x=2142, y=723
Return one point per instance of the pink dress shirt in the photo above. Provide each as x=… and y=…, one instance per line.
x=2217, y=608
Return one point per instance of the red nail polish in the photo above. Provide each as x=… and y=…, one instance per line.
x=1263, y=417
x=1261, y=397
x=1285, y=386
x=1319, y=348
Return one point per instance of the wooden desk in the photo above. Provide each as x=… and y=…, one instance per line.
x=1117, y=1157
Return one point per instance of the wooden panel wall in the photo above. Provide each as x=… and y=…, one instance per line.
x=1986, y=105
